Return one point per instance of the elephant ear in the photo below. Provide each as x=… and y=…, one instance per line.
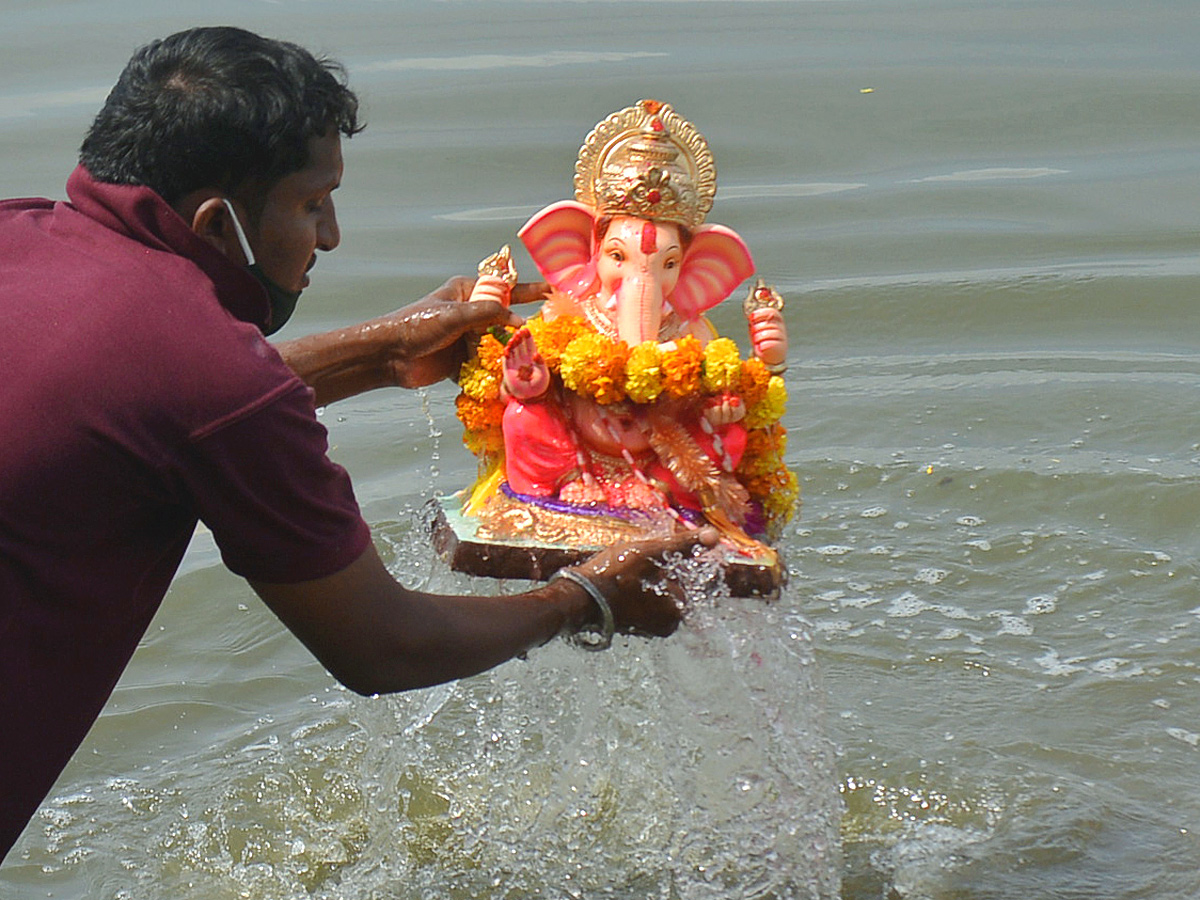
x=559, y=238
x=716, y=262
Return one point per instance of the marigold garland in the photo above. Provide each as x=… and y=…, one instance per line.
x=682, y=367
x=753, y=381
x=643, y=373
x=764, y=452
x=780, y=499
x=722, y=366
x=771, y=408
x=552, y=337
x=479, y=415
x=609, y=371
x=594, y=365
x=491, y=352
x=478, y=382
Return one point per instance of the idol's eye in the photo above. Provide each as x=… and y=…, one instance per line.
x=616, y=256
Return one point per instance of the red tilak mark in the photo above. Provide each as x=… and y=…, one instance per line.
x=649, y=238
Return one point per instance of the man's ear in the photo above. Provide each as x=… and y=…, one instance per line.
x=209, y=218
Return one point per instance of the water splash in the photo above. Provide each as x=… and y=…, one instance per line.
x=691, y=767
x=435, y=434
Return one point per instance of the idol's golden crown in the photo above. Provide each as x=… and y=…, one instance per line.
x=647, y=161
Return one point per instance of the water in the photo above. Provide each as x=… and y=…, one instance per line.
x=981, y=681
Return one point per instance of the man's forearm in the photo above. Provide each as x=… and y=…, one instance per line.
x=341, y=363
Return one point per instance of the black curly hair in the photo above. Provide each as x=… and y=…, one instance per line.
x=216, y=107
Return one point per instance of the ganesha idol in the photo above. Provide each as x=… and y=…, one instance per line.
x=618, y=411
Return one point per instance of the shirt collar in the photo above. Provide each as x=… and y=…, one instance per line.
x=141, y=214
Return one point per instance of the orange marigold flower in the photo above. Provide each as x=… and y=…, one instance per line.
x=754, y=380
x=478, y=415
x=553, y=337
x=490, y=352
x=681, y=367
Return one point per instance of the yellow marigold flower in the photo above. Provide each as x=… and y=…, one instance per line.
x=764, y=451
x=753, y=381
x=722, y=366
x=643, y=373
x=606, y=390
x=478, y=382
x=594, y=366
x=681, y=367
x=771, y=408
x=781, y=504
x=484, y=443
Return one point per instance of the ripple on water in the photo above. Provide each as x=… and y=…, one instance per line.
x=906, y=606
x=931, y=575
x=1041, y=605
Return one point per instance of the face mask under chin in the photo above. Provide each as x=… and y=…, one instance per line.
x=282, y=301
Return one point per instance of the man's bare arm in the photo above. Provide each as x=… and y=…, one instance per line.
x=376, y=636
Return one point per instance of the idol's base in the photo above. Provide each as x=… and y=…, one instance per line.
x=533, y=544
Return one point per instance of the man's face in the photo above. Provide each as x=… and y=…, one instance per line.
x=298, y=218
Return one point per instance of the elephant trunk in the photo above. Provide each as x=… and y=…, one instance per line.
x=639, y=309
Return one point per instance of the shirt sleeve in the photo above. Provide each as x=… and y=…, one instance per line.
x=279, y=509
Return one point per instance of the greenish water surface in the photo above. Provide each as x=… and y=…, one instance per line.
x=981, y=681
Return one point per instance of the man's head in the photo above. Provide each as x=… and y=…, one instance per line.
x=242, y=136
x=217, y=108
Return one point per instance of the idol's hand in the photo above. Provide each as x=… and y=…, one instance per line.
x=724, y=409
x=491, y=287
x=645, y=597
x=526, y=375
x=768, y=335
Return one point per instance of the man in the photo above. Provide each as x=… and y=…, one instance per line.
x=141, y=396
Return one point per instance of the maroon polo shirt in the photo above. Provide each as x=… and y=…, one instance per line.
x=137, y=395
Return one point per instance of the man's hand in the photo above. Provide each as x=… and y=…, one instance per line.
x=427, y=337
x=645, y=597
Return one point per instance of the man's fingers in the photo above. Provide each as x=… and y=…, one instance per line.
x=458, y=289
x=483, y=314
x=650, y=551
x=679, y=543
x=530, y=292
